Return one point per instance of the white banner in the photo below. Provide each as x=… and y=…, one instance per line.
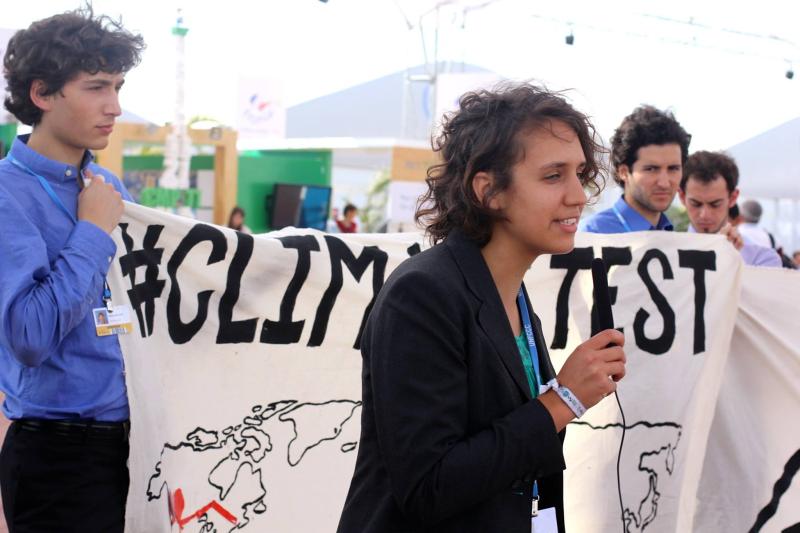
x=675, y=304
x=751, y=473
x=244, y=377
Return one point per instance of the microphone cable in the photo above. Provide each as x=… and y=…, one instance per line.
x=619, y=460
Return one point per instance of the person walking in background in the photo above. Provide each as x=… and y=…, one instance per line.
x=348, y=224
x=648, y=151
x=63, y=465
x=750, y=230
x=236, y=220
x=751, y=212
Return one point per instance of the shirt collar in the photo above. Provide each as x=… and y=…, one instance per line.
x=636, y=221
x=46, y=167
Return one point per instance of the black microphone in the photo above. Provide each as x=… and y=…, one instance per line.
x=602, y=299
x=605, y=319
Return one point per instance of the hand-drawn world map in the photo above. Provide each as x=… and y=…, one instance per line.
x=235, y=460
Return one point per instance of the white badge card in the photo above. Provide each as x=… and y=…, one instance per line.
x=116, y=321
x=545, y=521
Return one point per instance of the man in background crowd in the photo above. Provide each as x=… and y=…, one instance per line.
x=750, y=230
x=751, y=212
x=648, y=151
x=709, y=190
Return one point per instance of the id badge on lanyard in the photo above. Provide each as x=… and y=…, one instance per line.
x=545, y=521
x=116, y=321
x=111, y=320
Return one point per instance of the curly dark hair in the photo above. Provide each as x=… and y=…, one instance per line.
x=57, y=49
x=707, y=166
x=483, y=136
x=645, y=126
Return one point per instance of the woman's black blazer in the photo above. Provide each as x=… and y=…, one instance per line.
x=451, y=440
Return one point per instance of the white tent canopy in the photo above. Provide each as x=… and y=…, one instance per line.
x=769, y=163
x=769, y=170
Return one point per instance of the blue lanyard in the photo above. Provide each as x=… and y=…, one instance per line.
x=46, y=186
x=622, y=220
x=528, y=328
x=56, y=200
x=534, y=354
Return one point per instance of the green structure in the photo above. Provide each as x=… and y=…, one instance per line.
x=259, y=171
x=172, y=198
x=8, y=133
x=152, y=165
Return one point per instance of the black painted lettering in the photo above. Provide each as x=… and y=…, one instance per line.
x=286, y=330
x=341, y=253
x=663, y=342
x=236, y=331
x=699, y=261
x=182, y=332
x=577, y=259
x=146, y=292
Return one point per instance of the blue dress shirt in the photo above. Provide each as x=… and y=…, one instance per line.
x=52, y=363
x=622, y=218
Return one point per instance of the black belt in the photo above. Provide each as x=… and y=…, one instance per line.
x=77, y=429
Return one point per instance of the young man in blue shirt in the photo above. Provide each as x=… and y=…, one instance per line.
x=63, y=465
x=709, y=190
x=648, y=151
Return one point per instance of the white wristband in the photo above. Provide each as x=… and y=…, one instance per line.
x=566, y=396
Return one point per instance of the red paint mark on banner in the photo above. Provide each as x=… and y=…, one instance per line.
x=179, y=504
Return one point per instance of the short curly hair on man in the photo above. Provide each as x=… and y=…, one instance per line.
x=707, y=166
x=483, y=135
x=644, y=127
x=57, y=49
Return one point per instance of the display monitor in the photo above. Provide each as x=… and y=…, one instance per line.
x=301, y=206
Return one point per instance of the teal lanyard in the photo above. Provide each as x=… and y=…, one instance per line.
x=533, y=352
x=527, y=326
x=56, y=200
x=622, y=220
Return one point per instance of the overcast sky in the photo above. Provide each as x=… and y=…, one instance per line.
x=720, y=67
